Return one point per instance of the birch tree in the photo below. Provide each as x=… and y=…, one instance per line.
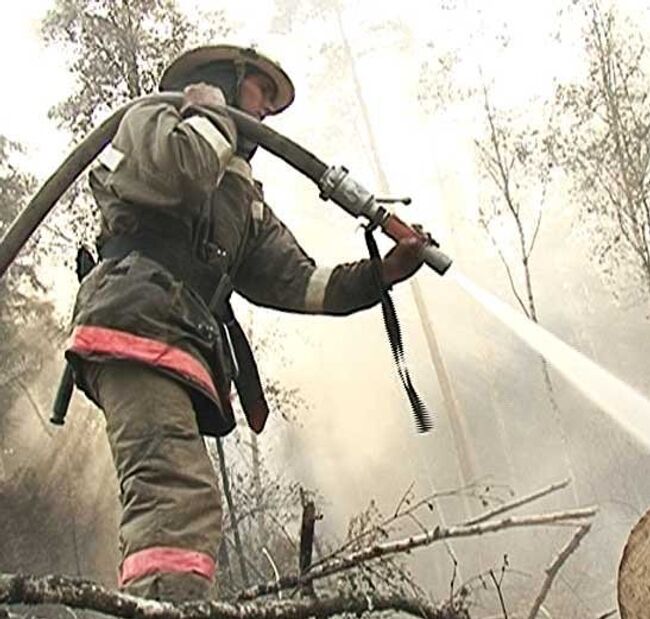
x=515, y=160
x=603, y=145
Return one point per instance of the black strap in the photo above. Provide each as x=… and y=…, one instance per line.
x=246, y=377
x=422, y=416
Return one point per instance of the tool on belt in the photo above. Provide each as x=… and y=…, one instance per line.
x=84, y=264
x=334, y=182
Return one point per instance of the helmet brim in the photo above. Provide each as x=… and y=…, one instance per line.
x=190, y=61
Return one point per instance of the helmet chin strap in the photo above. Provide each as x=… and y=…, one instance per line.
x=245, y=148
x=240, y=73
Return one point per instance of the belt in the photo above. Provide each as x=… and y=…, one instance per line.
x=177, y=255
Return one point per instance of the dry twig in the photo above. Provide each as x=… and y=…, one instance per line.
x=553, y=569
x=274, y=567
x=405, y=509
x=339, y=564
x=497, y=586
x=506, y=507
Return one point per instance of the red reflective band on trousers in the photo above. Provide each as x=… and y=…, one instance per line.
x=166, y=559
x=123, y=345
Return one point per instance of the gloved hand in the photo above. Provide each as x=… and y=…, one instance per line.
x=202, y=94
x=403, y=260
x=207, y=99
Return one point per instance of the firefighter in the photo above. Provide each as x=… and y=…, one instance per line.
x=154, y=342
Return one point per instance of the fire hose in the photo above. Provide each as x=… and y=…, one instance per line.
x=334, y=183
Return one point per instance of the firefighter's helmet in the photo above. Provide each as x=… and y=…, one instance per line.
x=201, y=63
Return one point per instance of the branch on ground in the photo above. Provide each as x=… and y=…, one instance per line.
x=83, y=594
x=405, y=545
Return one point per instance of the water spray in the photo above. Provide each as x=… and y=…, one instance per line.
x=617, y=399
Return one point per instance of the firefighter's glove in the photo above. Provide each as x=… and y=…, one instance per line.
x=202, y=95
x=403, y=260
x=202, y=98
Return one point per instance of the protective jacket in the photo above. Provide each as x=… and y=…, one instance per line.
x=183, y=224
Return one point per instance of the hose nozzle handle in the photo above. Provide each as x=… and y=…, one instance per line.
x=436, y=259
x=397, y=230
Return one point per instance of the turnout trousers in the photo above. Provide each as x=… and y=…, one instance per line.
x=170, y=526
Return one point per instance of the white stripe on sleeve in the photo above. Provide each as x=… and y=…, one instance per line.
x=257, y=207
x=220, y=145
x=315, y=294
x=110, y=157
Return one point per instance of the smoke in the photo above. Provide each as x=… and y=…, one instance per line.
x=355, y=441
x=59, y=494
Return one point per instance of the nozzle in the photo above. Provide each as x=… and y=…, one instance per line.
x=437, y=260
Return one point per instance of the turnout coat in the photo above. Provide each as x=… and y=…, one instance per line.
x=183, y=223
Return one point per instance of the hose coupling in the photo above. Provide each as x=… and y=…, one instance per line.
x=337, y=185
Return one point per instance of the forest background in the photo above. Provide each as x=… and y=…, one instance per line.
x=519, y=130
